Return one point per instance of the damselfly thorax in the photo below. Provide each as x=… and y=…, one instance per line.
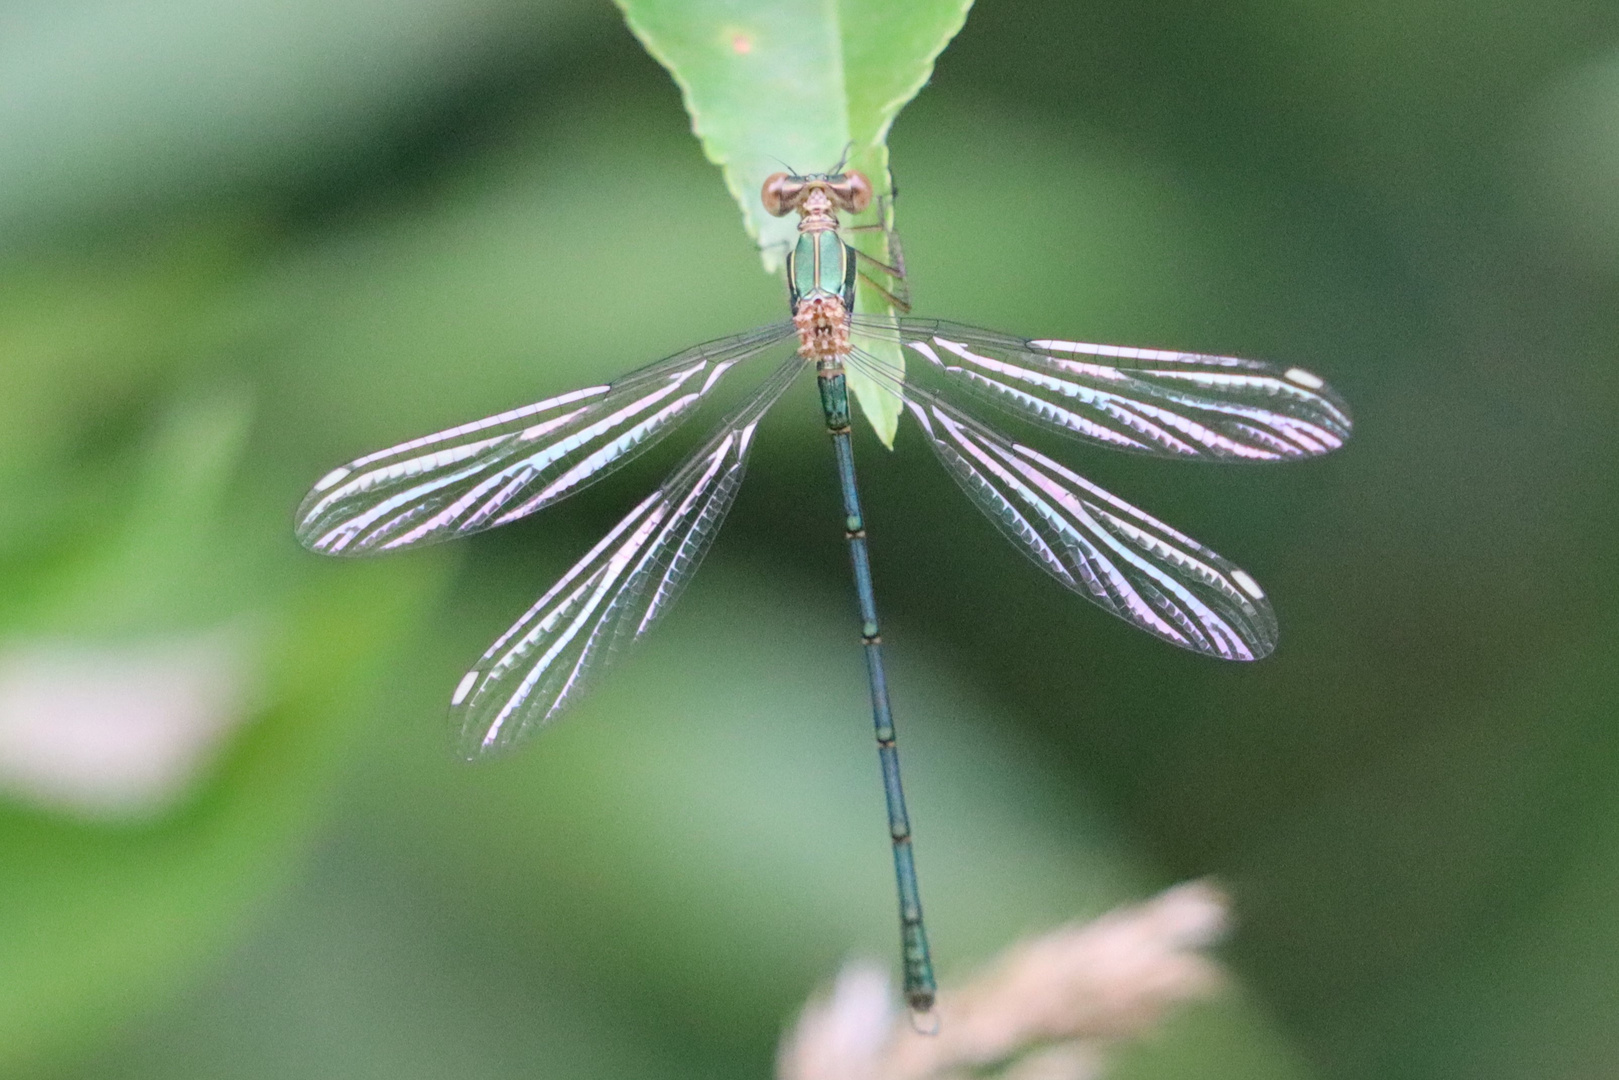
x=821, y=268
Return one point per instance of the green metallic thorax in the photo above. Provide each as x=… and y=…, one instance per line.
x=820, y=264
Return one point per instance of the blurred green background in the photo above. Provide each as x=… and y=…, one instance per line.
x=240, y=243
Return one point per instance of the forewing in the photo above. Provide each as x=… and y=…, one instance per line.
x=505, y=467
x=1098, y=545
x=611, y=596
x=1148, y=401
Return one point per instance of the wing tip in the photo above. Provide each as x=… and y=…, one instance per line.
x=472, y=739
x=481, y=727
x=1259, y=650
x=313, y=539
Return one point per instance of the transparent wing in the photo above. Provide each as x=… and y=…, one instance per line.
x=1170, y=404
x=1096, y=544
x=505, y=467
x=611, y=596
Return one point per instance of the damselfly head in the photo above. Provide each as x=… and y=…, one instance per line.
x=783, y=193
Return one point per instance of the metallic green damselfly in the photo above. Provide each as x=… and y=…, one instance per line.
x=1147, y=401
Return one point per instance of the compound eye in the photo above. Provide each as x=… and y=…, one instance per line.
x=780, y=194
x=854, y=194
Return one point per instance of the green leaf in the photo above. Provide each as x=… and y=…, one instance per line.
x=771, y=84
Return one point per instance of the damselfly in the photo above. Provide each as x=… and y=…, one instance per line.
x=1168, y=404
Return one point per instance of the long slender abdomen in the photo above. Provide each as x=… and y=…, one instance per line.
x=915, y=959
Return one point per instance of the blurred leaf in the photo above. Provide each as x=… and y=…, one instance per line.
x=122, y=104
x=86, y=334
x=803, y=86
x=1231, y=1036
x=97, y=924
x=147, y=565
x=1567, y=158
x=96, y=921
